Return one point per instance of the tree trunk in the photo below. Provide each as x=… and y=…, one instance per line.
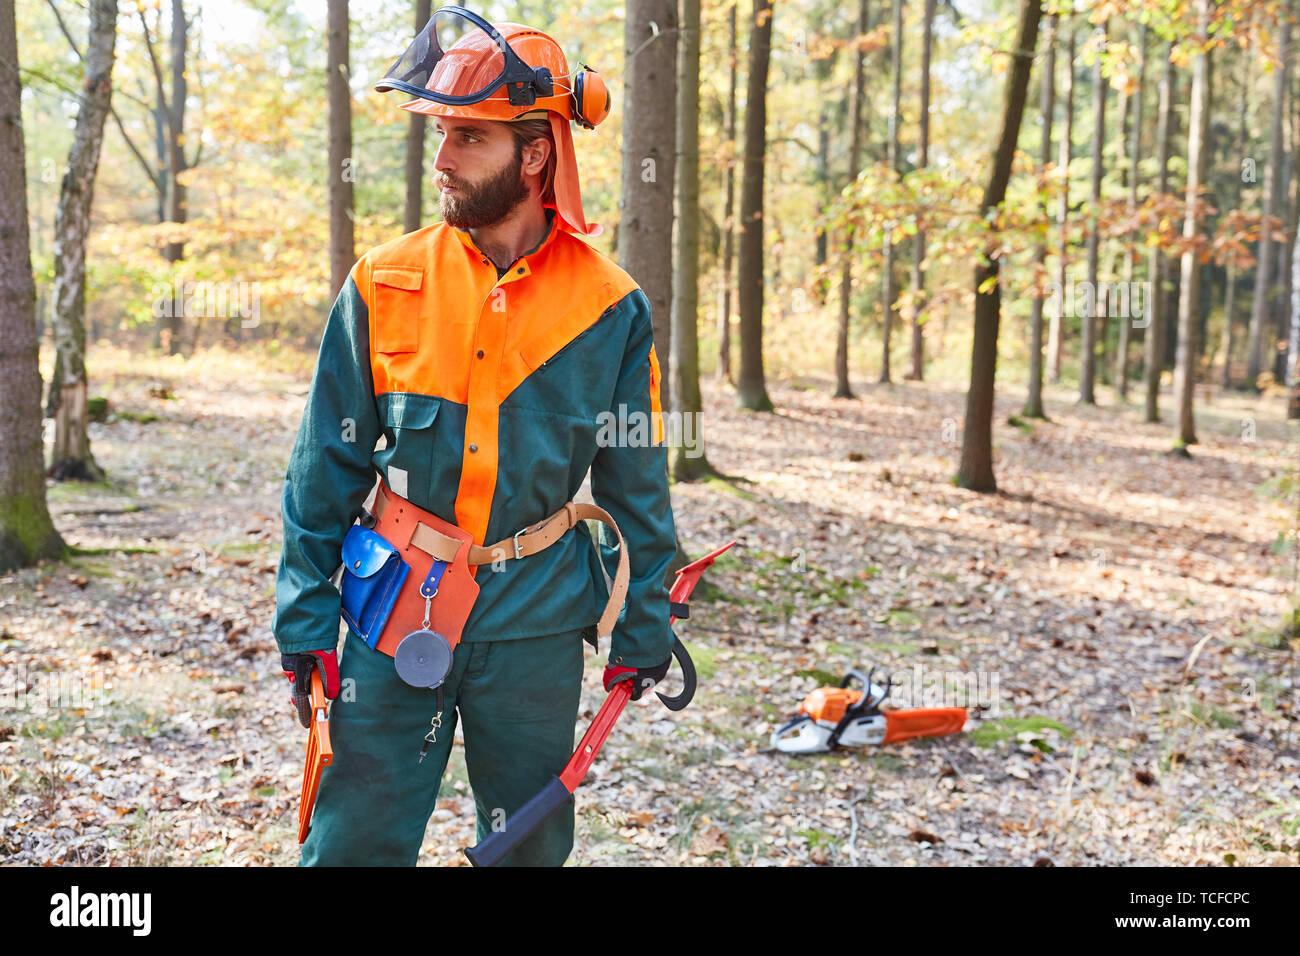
x=1225, y=340
x=1056, y=327
x=842, y=387
x=342, y=243
x=26, y=532
x=415, y=126
x=687, y=463
x=752, y=388
x=1153, y=335
x=1293, y=339
x=1189, y=302
x=1287, y=210
x=177, y=210
x=1130, y=248
x=645, y=237
x=976, y=468
x=889, y=291
x=1088, y=320
x=1259, y=309
x=917, y=370
x=71, y=458
x=1047, y=106
x=728, y=209
x=823, y=70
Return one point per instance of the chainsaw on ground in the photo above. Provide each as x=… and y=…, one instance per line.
x=832, y=717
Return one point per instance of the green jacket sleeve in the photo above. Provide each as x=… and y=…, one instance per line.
x=629, y=479
x=328, y=479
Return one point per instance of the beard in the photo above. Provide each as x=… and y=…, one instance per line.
x=487, y=203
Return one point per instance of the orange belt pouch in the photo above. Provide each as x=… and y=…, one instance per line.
x=393, y=588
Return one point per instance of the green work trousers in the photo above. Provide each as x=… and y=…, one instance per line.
x=518, y=704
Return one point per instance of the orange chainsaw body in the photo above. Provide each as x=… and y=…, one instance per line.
x=828, y=704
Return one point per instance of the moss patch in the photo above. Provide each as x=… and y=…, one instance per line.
x=993, y=732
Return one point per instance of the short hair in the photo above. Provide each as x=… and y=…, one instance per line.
x=526, y=131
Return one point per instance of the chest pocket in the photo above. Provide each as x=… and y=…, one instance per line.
x=397, y=303
x=408, y=457
x=540, y=353
x=577, y=379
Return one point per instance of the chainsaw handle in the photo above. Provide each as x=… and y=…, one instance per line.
x=688, y=678
x=868, y=681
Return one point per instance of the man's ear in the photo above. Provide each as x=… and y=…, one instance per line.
x=535, y=156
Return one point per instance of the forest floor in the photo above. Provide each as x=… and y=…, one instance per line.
x=1112, y=615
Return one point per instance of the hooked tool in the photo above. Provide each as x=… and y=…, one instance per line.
x=559, y=791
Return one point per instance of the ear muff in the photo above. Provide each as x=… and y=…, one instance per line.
x=590, y=98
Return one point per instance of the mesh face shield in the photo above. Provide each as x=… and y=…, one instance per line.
x=460, y=58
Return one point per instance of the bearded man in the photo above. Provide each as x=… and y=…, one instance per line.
x=484, y=351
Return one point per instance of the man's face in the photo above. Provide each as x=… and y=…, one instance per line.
x=480, y=174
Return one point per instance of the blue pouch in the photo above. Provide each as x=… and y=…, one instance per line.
x=373, y=575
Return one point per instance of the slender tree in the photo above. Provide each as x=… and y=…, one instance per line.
x=728, y=203
x=1198, y=127
x=177, y=210
x=1130, y=248
x=1293, y=338
x=416, y=124
x=687, y=464
x=1047, y=105
x=842, y=387
x=26, y=532
x=888, y=288
x=1056, y=329
x=917, y=370
x=1259, y=309
x=1088, y=326
x=1154, y=335
x=751, y=386
x=645, y=235
x=976, y=468
x=1230, y=281
x=823, y=70
x=72, y=458
x=342, y=242
x=169, y=144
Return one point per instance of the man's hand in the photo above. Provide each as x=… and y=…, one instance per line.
x=298, y=667
x=642, y=678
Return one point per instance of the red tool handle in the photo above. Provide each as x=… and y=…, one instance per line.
x=559, y=791
x=612, y=709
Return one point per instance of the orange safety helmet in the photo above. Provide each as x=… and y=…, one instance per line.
x=461, y=66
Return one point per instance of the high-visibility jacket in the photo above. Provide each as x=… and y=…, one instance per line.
x=495, y=393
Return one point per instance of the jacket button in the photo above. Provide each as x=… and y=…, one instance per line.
x=480, y=353
x=485, y=262
x=473, y=447
x=520, y=270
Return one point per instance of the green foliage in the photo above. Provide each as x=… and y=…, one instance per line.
x=993, y=732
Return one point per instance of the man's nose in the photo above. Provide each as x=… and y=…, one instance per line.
x=442, y=160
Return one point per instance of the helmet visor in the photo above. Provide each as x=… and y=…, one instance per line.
x=453, y=60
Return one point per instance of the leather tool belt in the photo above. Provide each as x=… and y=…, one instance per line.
x=413, y=570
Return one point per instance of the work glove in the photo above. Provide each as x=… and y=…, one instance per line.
x=298, y=667
x=642, y=678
